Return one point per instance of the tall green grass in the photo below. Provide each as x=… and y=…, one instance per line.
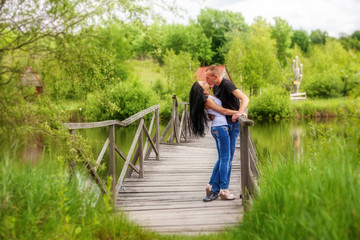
x=316, y=197
x=339, y=107
x=43, y=202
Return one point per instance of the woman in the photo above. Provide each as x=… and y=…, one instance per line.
x=203, y=103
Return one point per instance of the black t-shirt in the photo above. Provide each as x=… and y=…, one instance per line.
x=224, y=93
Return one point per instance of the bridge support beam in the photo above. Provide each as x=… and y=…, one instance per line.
x=112, y=170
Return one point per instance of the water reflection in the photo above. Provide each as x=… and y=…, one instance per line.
x=288, y=137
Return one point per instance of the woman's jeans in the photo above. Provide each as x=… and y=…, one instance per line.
x=220, y=176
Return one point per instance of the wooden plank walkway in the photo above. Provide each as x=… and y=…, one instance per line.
x=169, y=197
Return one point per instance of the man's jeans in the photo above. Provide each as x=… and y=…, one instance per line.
x=219, y=178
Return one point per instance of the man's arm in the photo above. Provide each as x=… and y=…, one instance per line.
x=244, y=103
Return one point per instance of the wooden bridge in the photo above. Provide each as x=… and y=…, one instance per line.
x=161, y=186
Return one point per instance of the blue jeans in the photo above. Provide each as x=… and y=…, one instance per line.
x=219, y=178
x=234, y=130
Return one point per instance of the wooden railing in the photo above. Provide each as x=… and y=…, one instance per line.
x=178, y=129
x=248, y=160
x=142, y=153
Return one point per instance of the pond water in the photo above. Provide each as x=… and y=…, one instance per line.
x=285, y=136
x=270, y=138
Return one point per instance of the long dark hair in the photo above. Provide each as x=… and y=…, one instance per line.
x=198, y=116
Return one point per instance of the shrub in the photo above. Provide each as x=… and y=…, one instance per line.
x=159, y=87
x=324, y=85
x=272, y=103
x=119, y=102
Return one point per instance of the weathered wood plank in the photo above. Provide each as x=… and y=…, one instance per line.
x=169, y=197
x=101, y=155
x=123, y=123
x=126, y=164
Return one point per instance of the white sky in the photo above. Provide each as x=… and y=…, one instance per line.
x=333, y=16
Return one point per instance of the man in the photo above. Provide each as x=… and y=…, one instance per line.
x=229, y=94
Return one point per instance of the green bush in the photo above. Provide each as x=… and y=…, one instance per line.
x=324, y=85
x=159, y=87
x=120, y=102
x=272, y=103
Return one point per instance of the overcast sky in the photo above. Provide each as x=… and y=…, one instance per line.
x=333, y=16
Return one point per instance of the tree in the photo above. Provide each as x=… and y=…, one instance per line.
x=301, y=39
x=318, y=37
x=42, y=33
x=179, y=69
x=282, y=33
x=27, y=26
x=330, y=71
x=216, y=24
x=352, y=41
x=191, y=39
x=356, y=35
x=253, y=56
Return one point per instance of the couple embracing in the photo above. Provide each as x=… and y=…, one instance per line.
x=225, y=109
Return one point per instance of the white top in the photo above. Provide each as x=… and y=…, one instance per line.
x=219, y=118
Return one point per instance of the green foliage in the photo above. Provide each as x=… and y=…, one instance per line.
x=318, y=37
x=282, y=33
x=166, y=103
x=252, y=58
x=152, y=41
x=159, y=87
x=331, y=70
x=352, y=41
x=120, y=40
x=179, y=70
x=355, y=86
x=88, y=70
x=324, y=85
x=215, y=25
x=189, y=39
x=273, y=102
x=300, y=38
x=118, y=102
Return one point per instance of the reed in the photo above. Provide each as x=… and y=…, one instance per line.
x=323, y=108
x=316, y=197
x=43, y=202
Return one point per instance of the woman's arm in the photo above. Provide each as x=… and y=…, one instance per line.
x=211, y=104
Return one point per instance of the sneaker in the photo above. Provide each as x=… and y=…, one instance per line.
x=212, y=196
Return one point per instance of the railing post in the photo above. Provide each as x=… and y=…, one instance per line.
x=141, y=156
x=71, y=163
x=173, y=119
x=186, y=124
x=112, y=170
x=247, y=184
x=157, y=129
x=177, y=122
